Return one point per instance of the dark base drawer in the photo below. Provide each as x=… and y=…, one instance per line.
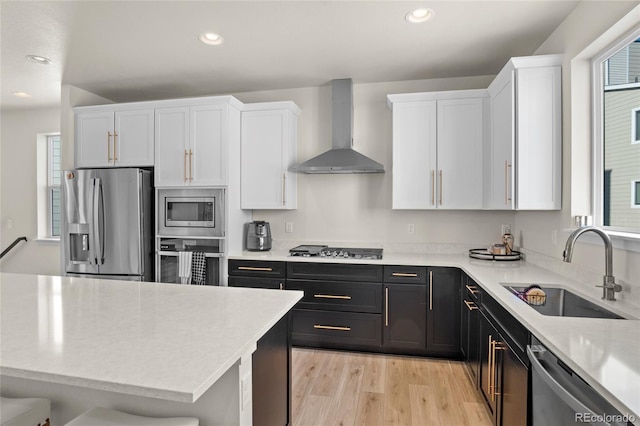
x=336, y=329
x=253, y=282
x=339, y=295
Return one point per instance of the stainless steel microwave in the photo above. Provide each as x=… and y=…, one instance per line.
x=191, y=212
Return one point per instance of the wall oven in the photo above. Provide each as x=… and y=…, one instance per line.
x=191, y=212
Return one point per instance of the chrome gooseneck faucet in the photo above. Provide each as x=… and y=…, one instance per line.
x=609, y=286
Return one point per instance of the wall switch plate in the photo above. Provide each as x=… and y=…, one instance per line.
x=288, y=227
x=411, y=228
x=505, y=229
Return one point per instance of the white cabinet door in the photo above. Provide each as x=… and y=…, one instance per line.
x=460, y=145
x=94, y=139
x=172, y=146
x=539, y=146
x=264, y=160
x=414, y=155
x=133, y=141
x=208, y=149
x=499, y=170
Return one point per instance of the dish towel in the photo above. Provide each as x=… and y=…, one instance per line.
x=184, y=266
x=198, y=268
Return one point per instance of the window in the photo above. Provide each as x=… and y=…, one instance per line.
x=617, y=136
x=48, y=185
x=53, y=184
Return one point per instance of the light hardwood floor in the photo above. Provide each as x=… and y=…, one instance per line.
x=344, y=388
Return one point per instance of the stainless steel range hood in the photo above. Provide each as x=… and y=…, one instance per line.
x=341, y=158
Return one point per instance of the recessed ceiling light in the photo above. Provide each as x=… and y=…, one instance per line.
x=39, y=59
x=22, y=94
x=419, y=15
x=211, y=38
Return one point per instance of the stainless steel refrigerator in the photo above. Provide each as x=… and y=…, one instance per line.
x=107, y=223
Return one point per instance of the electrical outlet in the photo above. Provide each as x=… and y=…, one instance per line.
x=411, y=228
x=10, y=224
x=505, y=229
x=288, y=227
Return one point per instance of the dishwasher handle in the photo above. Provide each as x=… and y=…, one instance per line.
x=554, y=385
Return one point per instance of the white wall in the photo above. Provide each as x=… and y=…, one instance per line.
x=545, y=233
x=18, y=196
x=357, y=208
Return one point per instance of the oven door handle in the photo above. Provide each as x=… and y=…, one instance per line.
x=557, y=388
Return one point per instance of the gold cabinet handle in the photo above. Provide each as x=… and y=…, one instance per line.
x=497, y=346
x=331, y=296
x=115, y=149
x=284, y=190
x=404, y=274
x=472, y=289
x=431, y=290
x=433, y=187
x=109, y=146
x=190, y=166
x=386, y=306
x=507, y=166
x=440, y=182
x=254, y=268
x=185, y=165
x=491, y=365
x=470, y=305
x=331, y=327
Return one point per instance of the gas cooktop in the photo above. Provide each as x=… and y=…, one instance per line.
x=336, y=252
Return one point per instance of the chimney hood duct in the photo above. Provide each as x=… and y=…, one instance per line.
x=341, y=158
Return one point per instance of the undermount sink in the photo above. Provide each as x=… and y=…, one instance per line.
x=562, y=303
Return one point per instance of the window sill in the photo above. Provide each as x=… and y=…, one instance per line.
x=47, y=240
x=628, y=241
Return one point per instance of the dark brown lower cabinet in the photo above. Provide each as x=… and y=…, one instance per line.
x=504, y=378
x=405, y=317
x=271, y=365
x=470, y=326
x=443, y=312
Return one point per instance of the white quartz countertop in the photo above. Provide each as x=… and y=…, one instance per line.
x=604, y=352
x=165, y=341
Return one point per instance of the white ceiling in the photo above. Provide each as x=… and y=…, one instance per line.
x=127, y=51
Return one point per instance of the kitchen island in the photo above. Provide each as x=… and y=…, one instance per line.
x=145, y=348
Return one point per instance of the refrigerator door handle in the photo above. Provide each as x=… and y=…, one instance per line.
x=101, y=224
x=97, y=235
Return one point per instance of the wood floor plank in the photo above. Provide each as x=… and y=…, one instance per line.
x=314, y=411
x=328, y=379
x=397, y=408
x=370, y=410
x=424, y=408
x=343, y=411
x=373, y=379
x=306, y=365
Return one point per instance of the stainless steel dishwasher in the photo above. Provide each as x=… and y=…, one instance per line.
x=561, y=397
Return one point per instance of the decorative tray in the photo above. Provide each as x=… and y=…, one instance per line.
x=484, y=254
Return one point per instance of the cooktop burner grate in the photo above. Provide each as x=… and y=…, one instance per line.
x=336, y=252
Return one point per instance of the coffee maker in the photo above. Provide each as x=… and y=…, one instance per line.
x=258, y=236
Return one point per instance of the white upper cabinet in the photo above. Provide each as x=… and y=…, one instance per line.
x=523, y=166
x=191, y=146
x=437, y=149
x=268, y=151
x=109, y=138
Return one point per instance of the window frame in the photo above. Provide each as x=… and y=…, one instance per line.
x=635, y=199
x=635, y=126
x=597, y=138
x=51, y=186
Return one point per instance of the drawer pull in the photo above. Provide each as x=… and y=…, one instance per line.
x=331, y=296
x=404, y=274
x=431, y=290
x=331, y=327
x=472, y=289
x=254, y=268
x=470, y=305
